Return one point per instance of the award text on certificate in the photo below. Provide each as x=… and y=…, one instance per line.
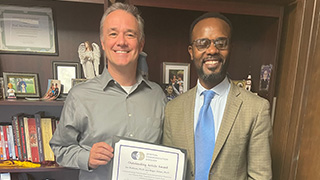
x=143, y=161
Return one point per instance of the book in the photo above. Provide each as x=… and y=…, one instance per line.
x=2, y=149
x=46, y=128
x=16, y=134
x=5, y=142
x=37, y=117
x=27, y=137
x=11, y=142
x=22, y=138
x=33, y=139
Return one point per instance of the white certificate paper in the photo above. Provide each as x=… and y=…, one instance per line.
x=135, y=160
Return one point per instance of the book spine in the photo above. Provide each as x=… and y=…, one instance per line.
x=1, y=146
x=39, y=136
x=46, y=126
x=6, y=144
x=16, y=133
x=3, y=142
x=22, y=139
x=11, y=142
x=33, y=140
x=27, y=137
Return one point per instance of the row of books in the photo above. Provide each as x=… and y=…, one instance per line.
x=27, y=138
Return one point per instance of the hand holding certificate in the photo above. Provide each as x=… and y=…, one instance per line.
x=134, y=160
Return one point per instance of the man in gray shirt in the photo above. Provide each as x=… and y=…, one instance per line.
x=118, y=102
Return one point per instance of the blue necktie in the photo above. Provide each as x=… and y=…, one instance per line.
x=204, y=138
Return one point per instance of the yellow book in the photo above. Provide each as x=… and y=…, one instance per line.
x=46, y=129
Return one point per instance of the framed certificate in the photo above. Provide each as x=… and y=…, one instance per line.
x=27, y=30
x=136, y=160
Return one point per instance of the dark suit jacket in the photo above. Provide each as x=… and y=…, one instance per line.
x=242, y=149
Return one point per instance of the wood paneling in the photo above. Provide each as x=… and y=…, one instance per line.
x=308, y=164
x=296, y=135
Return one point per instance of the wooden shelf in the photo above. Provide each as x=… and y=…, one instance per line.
x=23, y=102
x=40, y=169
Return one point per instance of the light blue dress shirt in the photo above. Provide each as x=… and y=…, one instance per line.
x=217, y=104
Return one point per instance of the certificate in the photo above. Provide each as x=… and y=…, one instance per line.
x=27, y=30
x=137, y=160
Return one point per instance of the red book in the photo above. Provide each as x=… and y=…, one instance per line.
x=34, y=147
x=6, y=144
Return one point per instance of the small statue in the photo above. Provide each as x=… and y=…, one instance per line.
x=11, y=92
x=89, y=55
x=248, y=83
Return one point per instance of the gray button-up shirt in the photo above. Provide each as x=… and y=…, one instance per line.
x=99, y=109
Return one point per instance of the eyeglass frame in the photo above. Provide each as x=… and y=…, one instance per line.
x=214, y=43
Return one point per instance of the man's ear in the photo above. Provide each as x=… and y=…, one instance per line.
x=102, y=44
x=190, y=50
x=141, y=45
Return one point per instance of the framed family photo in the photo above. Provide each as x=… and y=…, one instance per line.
x=177, y=75
x=65, y=72
x=22, y=84
x=27, y=30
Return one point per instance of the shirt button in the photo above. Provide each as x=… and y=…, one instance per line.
x=131, y=135
x=129, y=115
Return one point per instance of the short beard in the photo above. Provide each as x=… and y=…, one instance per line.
x=213, y=78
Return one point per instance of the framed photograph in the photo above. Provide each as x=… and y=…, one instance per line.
x=27, y=30
x=78, y=81
x=65, y=72
x=22, y=84
x=265, y=75
x=178, y=75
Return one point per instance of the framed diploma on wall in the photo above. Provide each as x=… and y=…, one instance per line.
x=27, y=30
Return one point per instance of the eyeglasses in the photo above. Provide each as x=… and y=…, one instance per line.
x=220, y=43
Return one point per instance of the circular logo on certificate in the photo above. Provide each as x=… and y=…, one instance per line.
x=137, y=155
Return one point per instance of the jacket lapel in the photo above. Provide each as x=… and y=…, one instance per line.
x=231, y=110
x=189, y=104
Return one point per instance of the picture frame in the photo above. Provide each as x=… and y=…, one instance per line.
x=27, y=30
x=65, y=72
x=23, y=84
x=265, y=77
x=177, y=74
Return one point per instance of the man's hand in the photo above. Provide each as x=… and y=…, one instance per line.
x=100, y=154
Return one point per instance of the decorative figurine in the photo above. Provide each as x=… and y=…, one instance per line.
x=89, y=55
x=248, y=83
x=11, y=92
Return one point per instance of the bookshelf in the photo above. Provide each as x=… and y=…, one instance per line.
x=257, y=29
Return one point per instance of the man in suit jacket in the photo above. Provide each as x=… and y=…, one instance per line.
x=242, y=124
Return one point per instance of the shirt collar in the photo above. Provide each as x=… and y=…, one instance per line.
x=219, y=89
x=105, y=79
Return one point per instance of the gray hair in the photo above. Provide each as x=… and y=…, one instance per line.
x=129, y=9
